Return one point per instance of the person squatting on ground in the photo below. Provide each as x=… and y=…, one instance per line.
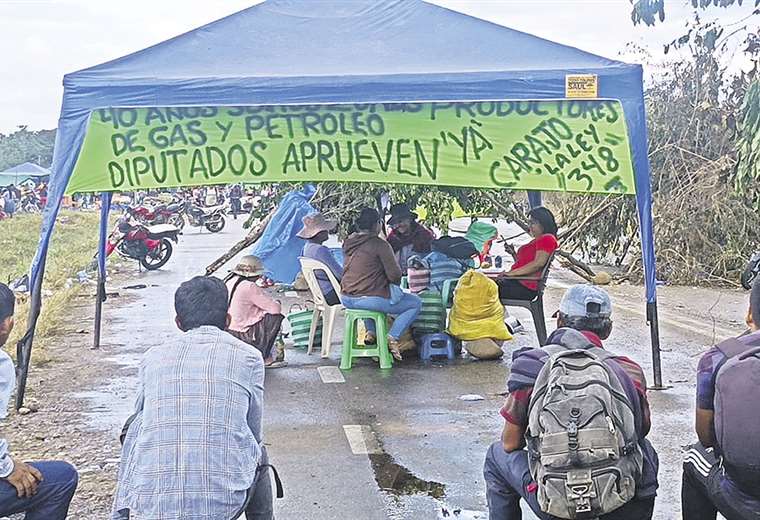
x=558, y=424
x=721, y=473
x=408, y=237
x=194, y=447
x=371, y=276
x=316, y=230
x=256, y=317
x=531, y=258
x=43, y=490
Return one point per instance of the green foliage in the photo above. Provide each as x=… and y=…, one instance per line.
x=747, y=176
x=343, y=201
x=650, y=11
x=26, y=146
x=704, y=230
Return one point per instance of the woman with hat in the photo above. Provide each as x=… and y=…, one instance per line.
x=371, y=277
x=255, y=317
x=408, y=237
x=316, y=230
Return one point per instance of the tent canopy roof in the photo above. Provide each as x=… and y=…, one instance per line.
x=295, y=38
x=28, y=169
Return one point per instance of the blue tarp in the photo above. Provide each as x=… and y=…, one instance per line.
x=279, y=247
x=320, y=51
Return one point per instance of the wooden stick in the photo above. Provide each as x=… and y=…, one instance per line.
x=253, y=236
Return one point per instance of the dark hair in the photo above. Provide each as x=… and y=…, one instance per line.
x=200, y=301
x=602, y=327
x=367, y=219
x=754, y=303
x=7, y=302
x=545, y=218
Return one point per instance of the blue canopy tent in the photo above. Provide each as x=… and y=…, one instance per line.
x=23, y=172
x=331, y=51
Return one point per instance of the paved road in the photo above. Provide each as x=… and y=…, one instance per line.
x=401, y=444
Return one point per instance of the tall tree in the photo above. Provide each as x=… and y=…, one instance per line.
x=24, y=145
x=650, y=11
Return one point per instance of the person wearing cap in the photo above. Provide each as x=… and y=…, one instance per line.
x=316, y=230
x=408, y=237
x=583, y=322
x=255, y=317
x=371, y=277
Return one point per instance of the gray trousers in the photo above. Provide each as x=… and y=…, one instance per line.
x=260, y=504
x=508, y=480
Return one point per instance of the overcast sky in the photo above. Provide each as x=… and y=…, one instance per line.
x=41, y=40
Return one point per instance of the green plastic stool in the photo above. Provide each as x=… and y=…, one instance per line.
x=351, y=347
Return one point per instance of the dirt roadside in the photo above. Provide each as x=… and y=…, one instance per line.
x=57, y=427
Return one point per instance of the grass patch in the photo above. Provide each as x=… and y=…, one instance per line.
x=72, y=247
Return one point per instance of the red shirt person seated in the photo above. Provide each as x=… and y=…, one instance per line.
x=531, y=258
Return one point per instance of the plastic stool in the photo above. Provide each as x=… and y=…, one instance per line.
x=351, y=347
x=438, y=345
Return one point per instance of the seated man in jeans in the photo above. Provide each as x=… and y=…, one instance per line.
x=718, y=472
x=583, y=323
x=43, y=490
x=193, y=449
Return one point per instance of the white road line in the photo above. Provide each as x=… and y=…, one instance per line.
x=331, y=375
x=361, y=439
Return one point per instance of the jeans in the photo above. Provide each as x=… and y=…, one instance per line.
x=508, y=480
x=405, y=310
x=706, y=489
x=53, y=496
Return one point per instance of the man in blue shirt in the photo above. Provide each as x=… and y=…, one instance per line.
x=43, y=490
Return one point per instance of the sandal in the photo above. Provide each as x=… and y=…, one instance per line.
x=393, y=346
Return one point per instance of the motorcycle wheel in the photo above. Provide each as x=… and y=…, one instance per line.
x=216, y=224
x=747, y=277
x=177, y=221
x=158, y=258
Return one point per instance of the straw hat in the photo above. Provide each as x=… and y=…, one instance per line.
x=248, y=267
x=314, y=224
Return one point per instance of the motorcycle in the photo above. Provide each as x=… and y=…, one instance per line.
x=212, y=218
x=161, y=214
x=751, y=271
x=151, y=246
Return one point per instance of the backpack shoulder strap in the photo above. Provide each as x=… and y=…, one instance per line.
x=732, y=347
x=234, y=288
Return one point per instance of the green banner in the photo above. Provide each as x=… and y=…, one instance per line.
x=578, y=146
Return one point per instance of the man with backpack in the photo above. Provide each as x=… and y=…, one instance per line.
x=576, y=418
x=722, y=471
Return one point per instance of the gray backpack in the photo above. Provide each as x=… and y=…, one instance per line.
x=582, y=443
x=737, y=421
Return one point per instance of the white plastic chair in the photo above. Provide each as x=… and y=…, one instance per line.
x=310, y=268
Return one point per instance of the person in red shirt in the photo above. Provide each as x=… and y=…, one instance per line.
x=531, y=258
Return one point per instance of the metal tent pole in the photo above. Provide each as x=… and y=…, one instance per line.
x=100, y=298
x=24, y=345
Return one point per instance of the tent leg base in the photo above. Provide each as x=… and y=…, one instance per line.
x=654, y=329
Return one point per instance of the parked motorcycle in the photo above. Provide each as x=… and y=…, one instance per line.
x=212, y=218
x=751, y=272
x=151, y=246
x=161, y=214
